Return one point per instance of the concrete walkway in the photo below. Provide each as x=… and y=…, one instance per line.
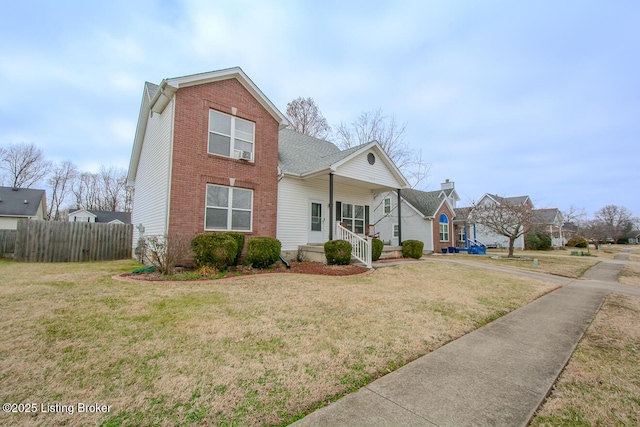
x=497, y=375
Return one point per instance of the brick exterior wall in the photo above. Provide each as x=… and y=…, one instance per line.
x=437, y=244
x=193, y=168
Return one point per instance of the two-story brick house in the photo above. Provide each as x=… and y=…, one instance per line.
x=211, y=153
x=205, y=157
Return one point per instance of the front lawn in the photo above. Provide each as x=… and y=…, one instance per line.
x=258, y=350
x=560, y=263
x=601, y=384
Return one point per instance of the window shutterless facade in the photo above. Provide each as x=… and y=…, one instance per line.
x=387, y=205
x=230, y=136
x=228, y=208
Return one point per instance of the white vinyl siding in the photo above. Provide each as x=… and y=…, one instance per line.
x=293, y=207
x=414, y=225
x=360, y=169
x=150, y=198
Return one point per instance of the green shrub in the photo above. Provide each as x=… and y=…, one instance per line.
x=239, y=238
x=532, y=241
x=376, y=249
x=577, y=242
x=412, y=249
x=337, y=252
x=214, y=250
x=538, y=241
x=262, y=252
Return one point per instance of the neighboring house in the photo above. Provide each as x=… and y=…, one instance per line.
x=569, y=229
x=19, y=203
x=550, y=221
x=106, y=217
x=426, y=216
x=633, y=237
x=211, y=153
x=489, y=237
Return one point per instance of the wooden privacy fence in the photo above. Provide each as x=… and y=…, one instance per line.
x=7, y=242
x=51, y=241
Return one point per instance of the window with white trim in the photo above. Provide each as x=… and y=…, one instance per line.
x=444, y=228
x=353, y=217
x=461, y=233
x=396, y=232
x=387, y=205
x=228, y=208
x=231, y=136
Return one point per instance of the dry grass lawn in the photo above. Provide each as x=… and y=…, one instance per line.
x=630, y=275
x=560, y=263
x=601, y=384
x=260, y=350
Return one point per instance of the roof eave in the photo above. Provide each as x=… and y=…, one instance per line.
x=238, y=74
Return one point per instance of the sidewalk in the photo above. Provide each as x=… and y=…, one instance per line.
x=497, y=375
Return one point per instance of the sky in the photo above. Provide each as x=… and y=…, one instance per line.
x=538, y=98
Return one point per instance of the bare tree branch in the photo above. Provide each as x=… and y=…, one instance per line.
x=374, y=126
x=504, y=217
x=305, y=117
x=23, y=164
x=615, y=221
x=60, y=184
x=103, y=191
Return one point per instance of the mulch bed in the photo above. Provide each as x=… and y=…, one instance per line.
x=307, y=267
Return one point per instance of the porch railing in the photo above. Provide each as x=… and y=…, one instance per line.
x=360, y=248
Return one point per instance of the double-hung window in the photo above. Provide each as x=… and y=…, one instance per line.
x=228, y=208
x=231, y=136
x=387, y=205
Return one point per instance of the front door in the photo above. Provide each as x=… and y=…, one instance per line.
x=316, y=222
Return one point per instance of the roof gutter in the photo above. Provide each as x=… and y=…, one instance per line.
x=162, y=97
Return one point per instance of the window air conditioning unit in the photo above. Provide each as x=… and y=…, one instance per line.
x=245, y=155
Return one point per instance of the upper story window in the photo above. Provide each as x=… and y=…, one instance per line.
x=230, y=136
x=387, y=205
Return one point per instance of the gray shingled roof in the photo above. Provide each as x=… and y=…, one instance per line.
x=12, y=202
x=545, y=216
x=299, y=153
x=517, y=200
x=426, y=202
x=462, y=214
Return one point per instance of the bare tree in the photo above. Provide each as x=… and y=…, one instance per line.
x=305, y=117
x=374, y=126
x=23, y=164
x=507, y=217
x=574, y=215
x=615, y=221
x=113, y=183
x=103, y=191
x=60, y=184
